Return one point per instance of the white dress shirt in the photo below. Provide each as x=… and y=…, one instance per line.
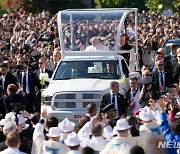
x=27, y=83
x=10, y=150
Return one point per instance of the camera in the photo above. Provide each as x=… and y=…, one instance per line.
x=16, y=107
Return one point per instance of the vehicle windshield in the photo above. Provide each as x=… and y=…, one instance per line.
x=81, y=28
x=100, y=69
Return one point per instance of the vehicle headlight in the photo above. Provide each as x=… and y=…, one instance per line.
x=46, y=100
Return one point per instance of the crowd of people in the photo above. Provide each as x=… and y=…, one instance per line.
x=141, y=121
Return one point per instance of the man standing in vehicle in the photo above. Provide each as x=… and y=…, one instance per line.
x=96, y=45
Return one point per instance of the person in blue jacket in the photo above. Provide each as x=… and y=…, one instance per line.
x=171, y=133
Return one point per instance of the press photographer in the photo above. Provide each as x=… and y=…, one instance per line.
x=13, y=101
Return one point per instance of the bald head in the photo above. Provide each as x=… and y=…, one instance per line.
x=162, y=51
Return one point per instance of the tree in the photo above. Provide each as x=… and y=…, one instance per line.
x=173, y=5
x=11, y=4
x=36, y=6
x=100, y=3
x=140, y=4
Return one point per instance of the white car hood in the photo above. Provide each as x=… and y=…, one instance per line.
x=77, y=85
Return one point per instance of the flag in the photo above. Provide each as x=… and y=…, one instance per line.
x=123, y=81
x=160, y=6
x=42, y=81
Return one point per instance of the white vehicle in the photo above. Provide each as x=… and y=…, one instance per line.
x=82, y=77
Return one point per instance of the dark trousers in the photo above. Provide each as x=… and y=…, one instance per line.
x=2, y=108
x=38, y=102
x=30, y=102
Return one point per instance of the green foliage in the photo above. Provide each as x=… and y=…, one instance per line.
x=173, y=5
x=53, y=6
x=140, y=4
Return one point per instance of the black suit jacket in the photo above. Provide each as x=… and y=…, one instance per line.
x=122, y=103
x=176, y=72
x=33, y=81
x=9, y=79
x=155, y=82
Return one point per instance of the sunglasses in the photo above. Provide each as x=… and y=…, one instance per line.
x=147, y=74
x=161, y=65
x=40, y=62
x=133, y=83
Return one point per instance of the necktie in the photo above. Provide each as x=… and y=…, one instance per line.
x=24, y=82
x=55, y=65
x=113, y=99
x=162, y=81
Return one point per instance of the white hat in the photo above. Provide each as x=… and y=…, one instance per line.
x=2, y=122
x=115, y=130
x=72, y=140
x=122, y=124
x=134, y=75
x=9, y=116
x=54, y=132
x=146, y=114
x=66, y=126
x=8, y=127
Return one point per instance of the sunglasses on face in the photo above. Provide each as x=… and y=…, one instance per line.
x=40, y=62
x=147, y=74
x=161, y=65
x=133, y=83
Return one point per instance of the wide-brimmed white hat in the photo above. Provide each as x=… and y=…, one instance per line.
x=8, y=127
x=54, y=132
x=72, y=140
x=122, y=124
x=9, y=116
x=66, y=126
x=134, y=75
x=2, y=122
x=146, y=114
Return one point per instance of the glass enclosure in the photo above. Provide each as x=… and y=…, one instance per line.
x=80, y=27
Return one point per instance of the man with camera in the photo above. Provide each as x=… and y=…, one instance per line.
x=12, y=101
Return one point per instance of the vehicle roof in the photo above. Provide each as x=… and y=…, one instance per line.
x=84, y=58
x=169, y=42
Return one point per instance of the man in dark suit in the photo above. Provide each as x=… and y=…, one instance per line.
x=6, y=79
x=171, y=58
x=173, y=53
x=39, y=73
x=157, y=56
x=162, y=78
x=42, y=69
x=115, y=98
x=29, y=82
x=176, y=70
